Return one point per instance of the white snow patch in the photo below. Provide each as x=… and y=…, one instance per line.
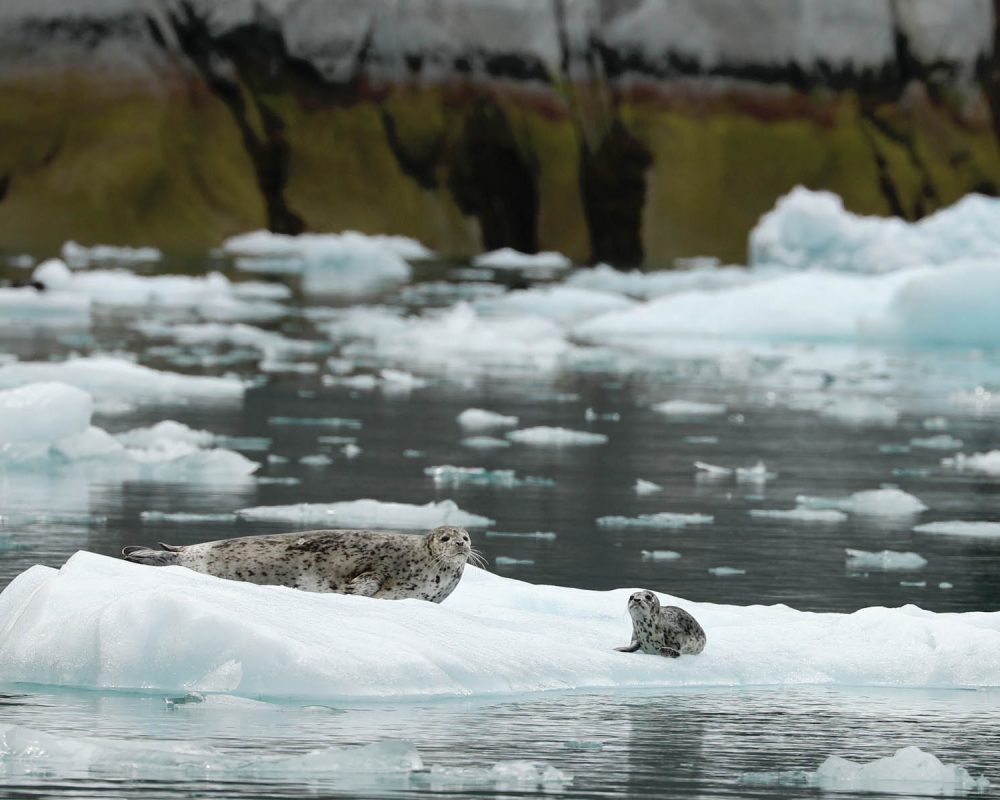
x=367, y=513
x=884, y=560
x=491, y=636
x=545, y=436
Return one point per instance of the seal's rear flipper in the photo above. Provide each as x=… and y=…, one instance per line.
x=155, y=558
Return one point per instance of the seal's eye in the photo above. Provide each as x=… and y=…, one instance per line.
x=649, y=596
x=445, y=538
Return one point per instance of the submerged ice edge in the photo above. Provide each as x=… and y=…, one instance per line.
x=145, y=628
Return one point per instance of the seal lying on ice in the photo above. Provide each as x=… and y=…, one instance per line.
x=382, y=564
x=667, y=631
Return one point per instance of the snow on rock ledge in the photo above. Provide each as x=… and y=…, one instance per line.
x=173, y=629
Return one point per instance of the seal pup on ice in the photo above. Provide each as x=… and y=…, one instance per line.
x=382, y=564
x=662, y=630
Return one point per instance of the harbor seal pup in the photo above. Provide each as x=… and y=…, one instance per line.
x=382, y=564
x=662, y=630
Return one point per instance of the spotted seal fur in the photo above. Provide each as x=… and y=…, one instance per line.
x=382, y=564
x=662, y=630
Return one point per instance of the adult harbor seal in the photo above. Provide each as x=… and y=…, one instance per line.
x=382, y=564
x=667, y=631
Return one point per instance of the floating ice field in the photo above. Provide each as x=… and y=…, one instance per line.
x=106, y=623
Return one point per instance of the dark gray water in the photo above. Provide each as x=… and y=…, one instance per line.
x=675, y=744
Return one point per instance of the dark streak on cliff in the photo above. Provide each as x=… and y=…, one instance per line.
x=492, y=181
x=419, y=166
x=613, y=185
x=260, y=49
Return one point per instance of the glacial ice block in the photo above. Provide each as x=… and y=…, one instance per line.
x=167, y=628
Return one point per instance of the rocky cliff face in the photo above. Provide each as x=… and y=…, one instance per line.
x=633, y=131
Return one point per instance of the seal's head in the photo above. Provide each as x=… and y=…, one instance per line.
x=643, y=604
x=450, y=543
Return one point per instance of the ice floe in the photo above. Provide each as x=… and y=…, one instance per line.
x=348, y=263
x=726, y=572
x=28, y=304
x=116, y=379
x=484, y=443
x=663, y=519
x=660, y=555
x=878, y=502
x=367, y=513
x=448, y=475
x=509, y=258
x=562, y=304
x=942, y=441
x=176, y=630
x=812, y=229
x=457, y=339
x=758, y=473
x=689, y=408
x=78, y=255
x=270, y=343
x=480, y=418
x=884, y=560
x=646, y=487
x=800, y=514
x=909, y=771
x=546, y=436
x=983, y=463
x=62, y=438
x=955, y=527
x=212, y=296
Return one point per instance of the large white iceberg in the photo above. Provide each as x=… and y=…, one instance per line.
x=167, y=628
x=909, y=771
x=348, y=263
x=812, y=229
x=109, y=378
x=367, y=513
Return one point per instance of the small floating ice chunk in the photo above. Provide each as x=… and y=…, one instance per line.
x=480, y=418
x=689, y=408
x=508, y=561
x=894, y=449
x=935, y=424
x=316, y=460
x=712, y=469
x=724, y=572
x=448, y=475
x=77, y=255
x=881, y=502
x=184, y=517
x=509, y=258
x=660, y=555
x=367, y=513
x=484, y=442
x=941, y=442
x=646, y=487
x=545, y=536
x=545, y=436
x=324, y=422
x=861, y=411
x=800, y=514
x=664, y=519
x=955, y=527
x=701, y=439
x=166, y=431
x=984, y=463
x=351, y=450
x=758, y=473
x=910, y=771
x=884, y=560
x=946, y=585
x=914, y=584
x=601, y=416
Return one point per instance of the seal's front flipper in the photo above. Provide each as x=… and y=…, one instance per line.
x=669, y=652
x=630, y=648
x=366, y=584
